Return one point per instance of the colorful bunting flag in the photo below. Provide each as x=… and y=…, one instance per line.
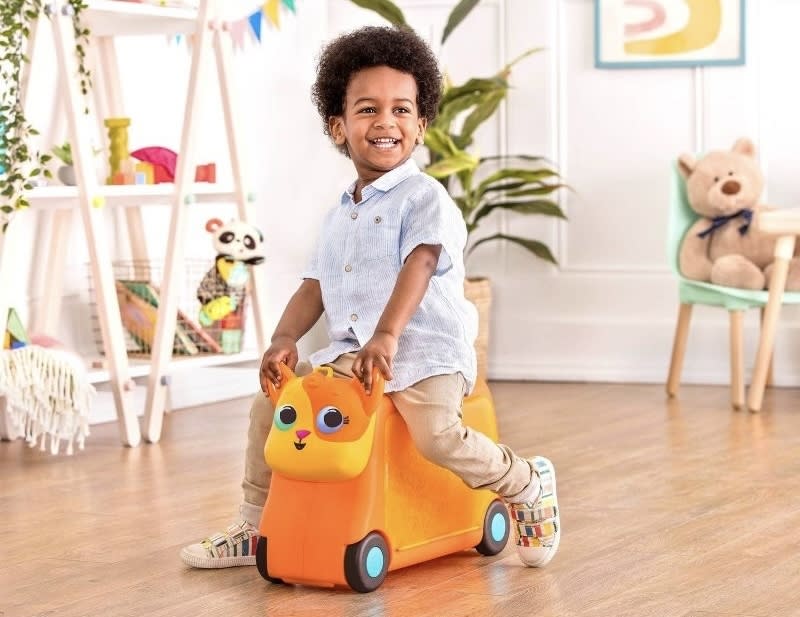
x=255, y=24
x=272, y=9
x=238, y=29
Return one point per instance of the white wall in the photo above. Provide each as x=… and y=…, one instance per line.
x=608, y=311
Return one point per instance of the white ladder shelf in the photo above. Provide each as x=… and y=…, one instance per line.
x=107, y=19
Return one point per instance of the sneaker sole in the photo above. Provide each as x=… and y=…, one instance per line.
x=557, y=541
x=212, y=563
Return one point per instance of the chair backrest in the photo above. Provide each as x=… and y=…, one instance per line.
x=681, y=217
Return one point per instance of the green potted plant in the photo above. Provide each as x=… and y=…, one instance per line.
x=522, y=184
x=20, y=162
x=66, y=172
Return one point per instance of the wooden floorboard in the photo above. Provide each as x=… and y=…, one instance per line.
x=678, y=508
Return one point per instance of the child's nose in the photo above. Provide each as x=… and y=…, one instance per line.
x=384, y=120
x=302, y=434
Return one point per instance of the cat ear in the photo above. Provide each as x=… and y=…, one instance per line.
x=372, y=400
x=286, y=376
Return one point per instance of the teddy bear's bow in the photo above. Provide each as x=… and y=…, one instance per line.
x=721, y=221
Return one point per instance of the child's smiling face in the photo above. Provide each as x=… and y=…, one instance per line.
x=380, y=123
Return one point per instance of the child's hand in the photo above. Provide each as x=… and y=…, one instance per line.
x=377, y=353
x=283, y=349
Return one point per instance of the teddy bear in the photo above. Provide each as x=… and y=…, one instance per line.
x=724, y=245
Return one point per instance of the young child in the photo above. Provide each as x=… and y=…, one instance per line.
x=388, y=274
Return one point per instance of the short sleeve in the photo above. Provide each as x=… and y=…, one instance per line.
x=312, y=269
x=430, y=218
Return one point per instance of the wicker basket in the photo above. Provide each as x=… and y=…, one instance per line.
x=479, y=292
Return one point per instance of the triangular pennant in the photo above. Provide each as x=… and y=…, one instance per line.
x=255, y=24
x=272, y=11
x=238, y=30
x=289, y=4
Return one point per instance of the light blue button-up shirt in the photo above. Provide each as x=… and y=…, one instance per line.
x=358, y=258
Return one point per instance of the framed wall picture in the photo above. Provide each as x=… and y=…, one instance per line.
x=668, y=33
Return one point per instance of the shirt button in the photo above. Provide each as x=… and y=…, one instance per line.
x=353, y=317
x=354, y=215
x=378, y=219
x=348, y=268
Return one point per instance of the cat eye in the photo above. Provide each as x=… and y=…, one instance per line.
x=285, y=416
x=330, y=420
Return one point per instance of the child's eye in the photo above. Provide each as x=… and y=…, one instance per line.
x=367, y=110
x=402, y=110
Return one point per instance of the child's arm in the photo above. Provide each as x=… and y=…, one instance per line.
x=301, y=313
x=411, y=285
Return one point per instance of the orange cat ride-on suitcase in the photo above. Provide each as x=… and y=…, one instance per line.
x=351, y=498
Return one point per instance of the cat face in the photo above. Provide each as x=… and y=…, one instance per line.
x=323, y=426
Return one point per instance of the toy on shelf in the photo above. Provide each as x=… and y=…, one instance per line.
x=161, y=160
x=160, y=163
x=222, y=290
x=119, y=167
x=15, y=336
x=351, y=498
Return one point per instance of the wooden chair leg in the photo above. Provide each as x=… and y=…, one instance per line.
x=769, y=381
x=737, y=359
x=784, y=249
x=678, y=349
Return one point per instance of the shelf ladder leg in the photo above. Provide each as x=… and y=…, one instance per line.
x=94, y=227
x=156, y=401
x=246, y=211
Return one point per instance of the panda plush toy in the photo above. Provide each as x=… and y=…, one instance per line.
x=222, y=290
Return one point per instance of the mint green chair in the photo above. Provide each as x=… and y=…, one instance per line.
x=734, y=300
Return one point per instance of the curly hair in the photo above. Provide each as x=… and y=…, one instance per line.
x=398, y=48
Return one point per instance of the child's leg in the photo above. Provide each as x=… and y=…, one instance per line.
x=431, y=409
x=237, y=544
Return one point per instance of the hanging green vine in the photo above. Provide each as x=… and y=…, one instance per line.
x=81, y=43
x=20, y=164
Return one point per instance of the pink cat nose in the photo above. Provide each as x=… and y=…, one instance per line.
x=302, y=434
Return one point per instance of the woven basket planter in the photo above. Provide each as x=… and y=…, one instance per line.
x=479, y=292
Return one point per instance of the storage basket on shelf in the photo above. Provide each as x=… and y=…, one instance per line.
x=199, y=329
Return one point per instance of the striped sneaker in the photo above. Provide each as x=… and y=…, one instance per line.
x=236, y=546
x=537, y=524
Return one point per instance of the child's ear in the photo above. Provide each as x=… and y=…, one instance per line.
x=422, y=124
x=336, y=128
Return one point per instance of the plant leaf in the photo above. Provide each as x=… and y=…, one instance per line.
x=453, y=164
x=385, y=8
x=457, y=15
x=541, y=250
x=516, y=157
x=545, y=207
x=482, y=112
x=440, y=142
x=528, y=176
x=542, y=189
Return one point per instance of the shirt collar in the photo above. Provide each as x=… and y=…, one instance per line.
x=385, y=183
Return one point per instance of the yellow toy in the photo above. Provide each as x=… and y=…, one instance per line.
x=118, y=148
x=352, y=499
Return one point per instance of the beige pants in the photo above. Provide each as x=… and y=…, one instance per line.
x=431, y=409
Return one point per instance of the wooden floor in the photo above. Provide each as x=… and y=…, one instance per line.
x=680, y=508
